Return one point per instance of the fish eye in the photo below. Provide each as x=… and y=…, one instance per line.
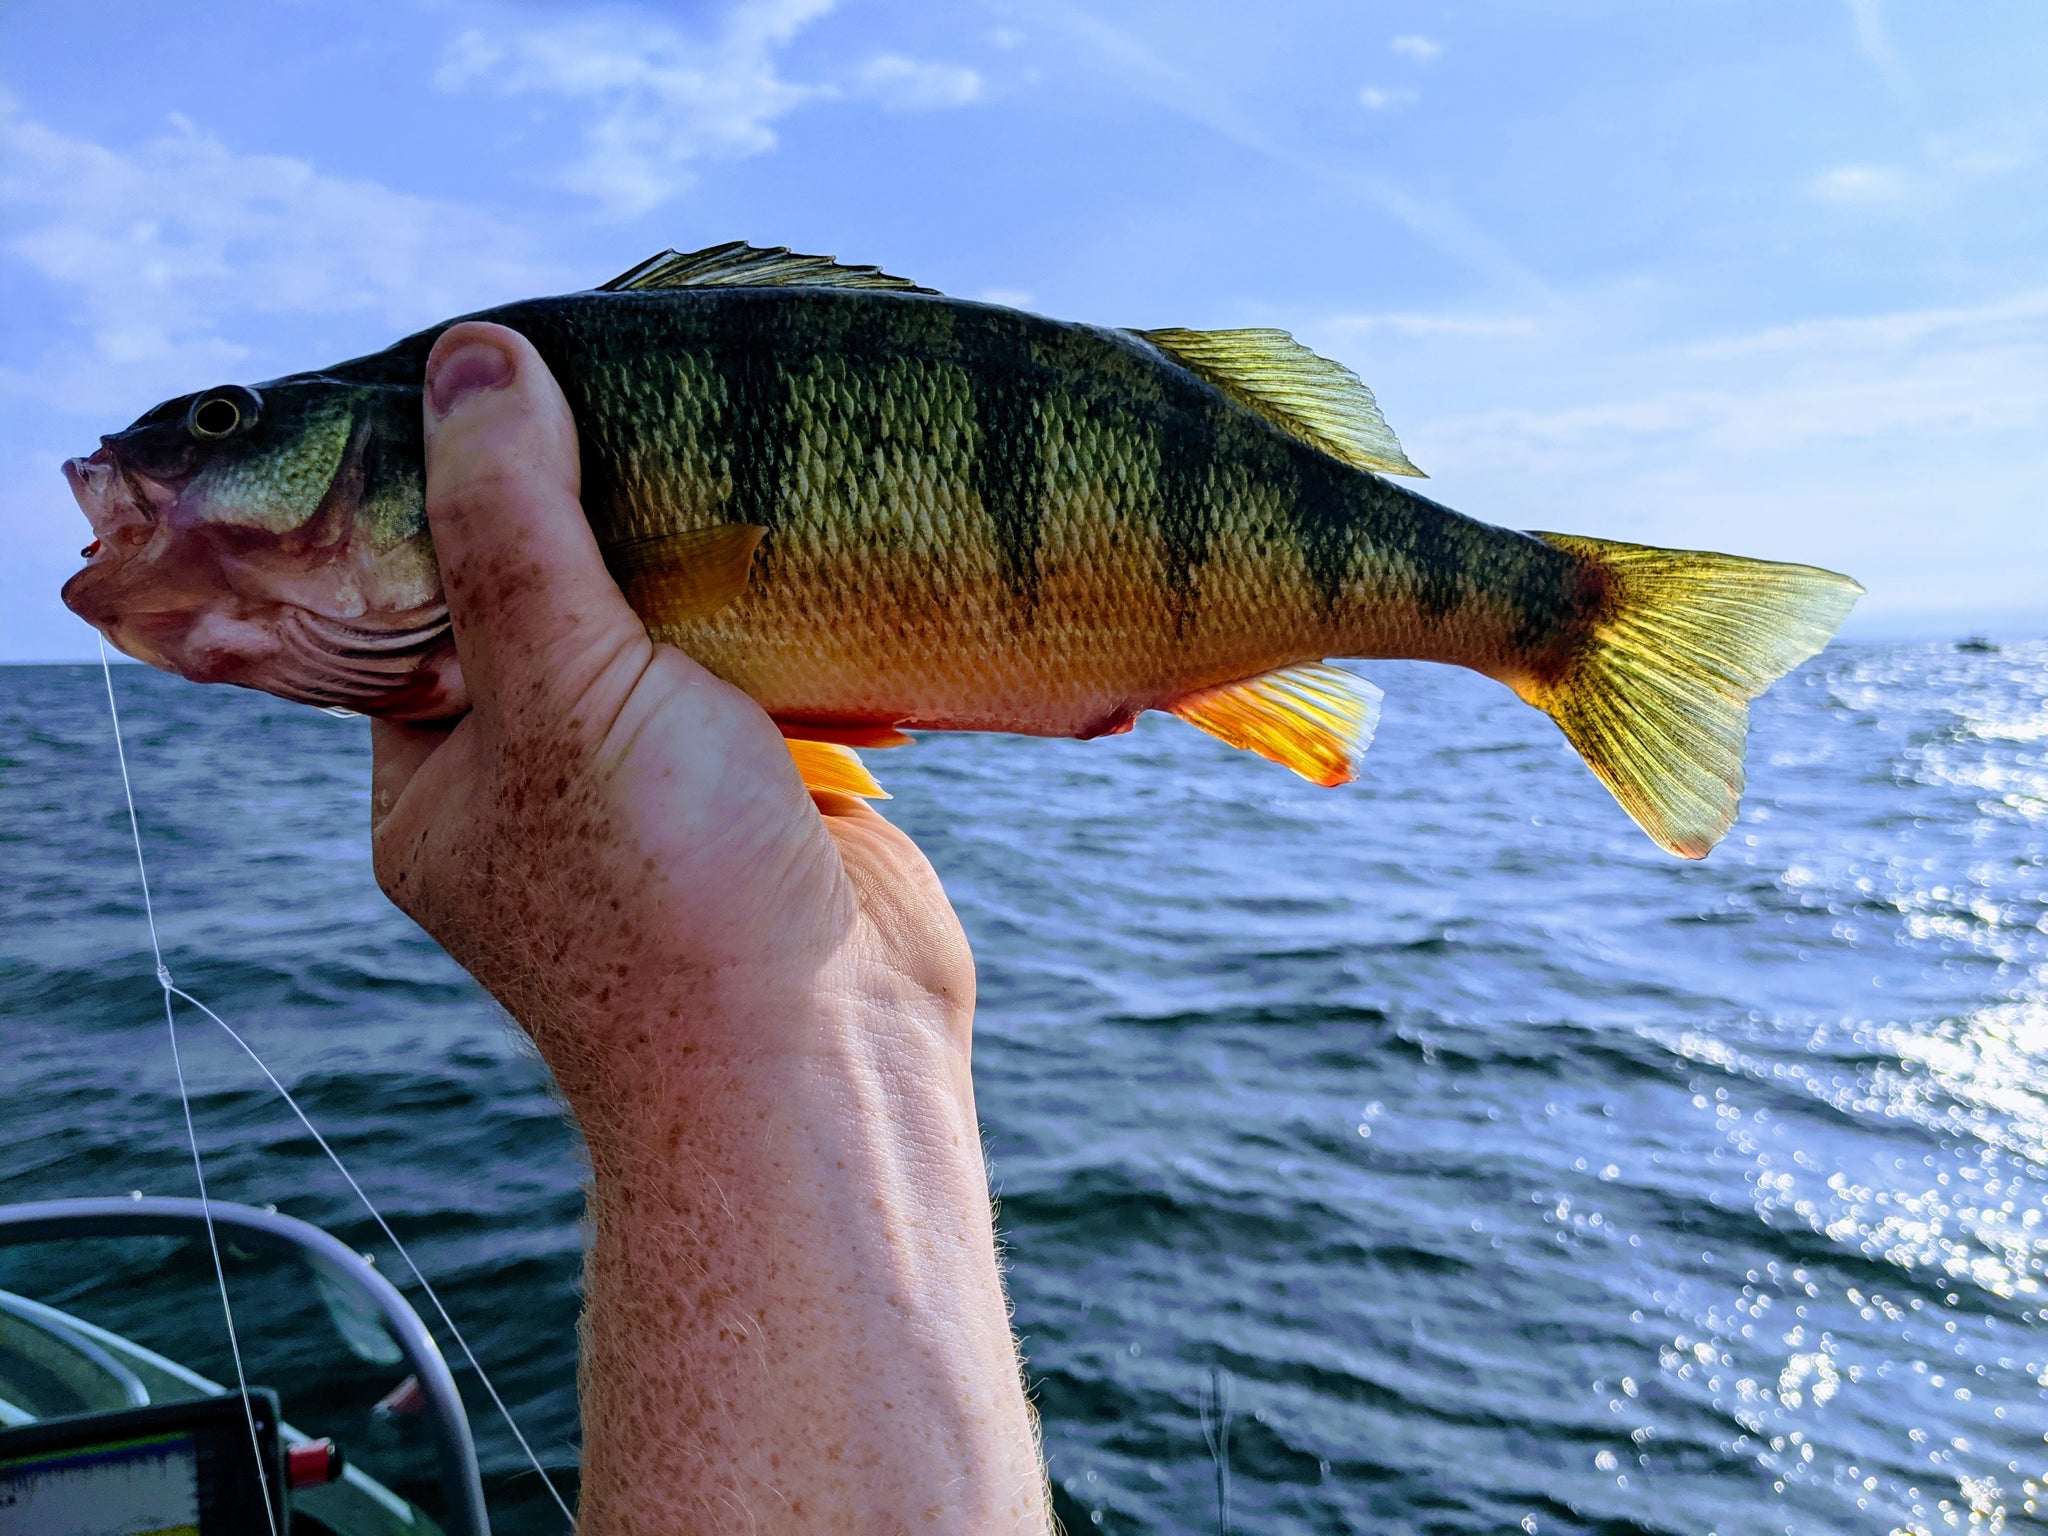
x=223, y=412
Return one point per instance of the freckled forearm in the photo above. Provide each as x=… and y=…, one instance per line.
x=808, y=1232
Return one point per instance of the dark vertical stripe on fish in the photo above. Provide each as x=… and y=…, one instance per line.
x=1009, y=383
x=1188, y=514
x=393, y=450
x=1428, y=536
x=1328, y=517
x=1556, y=597
x=750, y=431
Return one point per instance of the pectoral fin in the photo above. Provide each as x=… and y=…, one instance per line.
x=827, y=765
x=676, y=578
x=1312, y=718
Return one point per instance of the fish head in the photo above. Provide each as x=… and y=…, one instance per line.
x=273, y=536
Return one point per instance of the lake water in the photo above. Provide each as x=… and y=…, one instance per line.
x=1500, y=1171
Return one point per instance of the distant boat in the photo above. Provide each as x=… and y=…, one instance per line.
x=1979, y=644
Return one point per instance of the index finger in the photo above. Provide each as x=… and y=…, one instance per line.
x=536, y=614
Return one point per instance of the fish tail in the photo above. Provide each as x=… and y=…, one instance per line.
x=1655, y=695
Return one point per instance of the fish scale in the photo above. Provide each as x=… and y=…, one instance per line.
x=874, y=507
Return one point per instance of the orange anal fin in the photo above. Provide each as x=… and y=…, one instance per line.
x=1312, y=718
x=846, y=735
x=678, y=578
x=828, y=765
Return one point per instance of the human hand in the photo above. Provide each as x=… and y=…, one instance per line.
x=611, y=829
x=757, y=1001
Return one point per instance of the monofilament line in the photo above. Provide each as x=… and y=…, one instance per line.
x=163, y=979
x=391, y=1237
x=172, y=990
x=1215, y=1414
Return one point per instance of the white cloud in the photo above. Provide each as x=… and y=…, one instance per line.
x=1861, y=186
x=1477, y=326
x=1984, y=163
x=1874, y=39
x=1376, y=99
x=1143, y=70
x=905, y=85
x=161, y=247
x=1910, y=376
x=1842, y=337
x=1014, y=298
x=1906, y=448
x=1983, y=149
x=1417, y=47
x=663, y=101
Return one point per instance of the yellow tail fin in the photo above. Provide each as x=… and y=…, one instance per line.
x=1657, y=698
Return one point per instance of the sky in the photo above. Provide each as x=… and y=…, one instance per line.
x=1726, y=274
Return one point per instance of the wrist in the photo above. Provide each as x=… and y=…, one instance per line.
x=752, y=1064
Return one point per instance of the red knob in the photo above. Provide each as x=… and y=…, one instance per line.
x=313, y=1463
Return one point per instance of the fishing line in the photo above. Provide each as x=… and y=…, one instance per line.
x=1214, y=1409
x=170, y=990
x=163, y=980
x=392, y=1237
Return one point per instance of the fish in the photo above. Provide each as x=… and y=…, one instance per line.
x=880, y=510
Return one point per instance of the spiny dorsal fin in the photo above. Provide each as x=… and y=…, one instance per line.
x=1312, y=718
x=737, y=264
x=678, y=578
x=1309, y=397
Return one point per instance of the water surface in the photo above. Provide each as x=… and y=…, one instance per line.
x=1503, y=1172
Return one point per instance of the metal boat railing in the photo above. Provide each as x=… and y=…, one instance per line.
x=327, y=1256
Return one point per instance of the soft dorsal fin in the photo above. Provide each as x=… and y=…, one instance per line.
x=827, y=765
x=678, y=578
x=737, y=264
x=1312, y=718
x=1306, y=396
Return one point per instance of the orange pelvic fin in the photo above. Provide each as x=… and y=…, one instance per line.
x=846, y=735
x=1312, y=718
x=677, y=578
x=827, y=765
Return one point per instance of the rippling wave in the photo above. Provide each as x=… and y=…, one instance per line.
x=1515, y=1176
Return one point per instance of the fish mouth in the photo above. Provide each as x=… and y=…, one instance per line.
x=121, y=508
x=216, y=604
x=124, y=513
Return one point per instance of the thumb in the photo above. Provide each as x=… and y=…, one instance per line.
x=536, y=615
